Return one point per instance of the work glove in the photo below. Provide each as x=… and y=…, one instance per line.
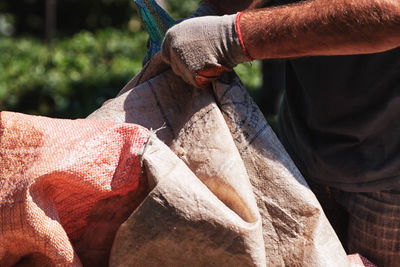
x=201, y=49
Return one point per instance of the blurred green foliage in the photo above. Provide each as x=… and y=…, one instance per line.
x=250, y=74
x=71, y=78
x=181, y=9
x=76, y=74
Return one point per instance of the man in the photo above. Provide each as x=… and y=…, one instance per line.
x=339, y=119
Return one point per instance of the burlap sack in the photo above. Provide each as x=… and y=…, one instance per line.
x=243, y=203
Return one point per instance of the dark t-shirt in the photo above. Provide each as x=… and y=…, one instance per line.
x=340, y=119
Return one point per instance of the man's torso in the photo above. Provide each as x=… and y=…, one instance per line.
x=340, y=119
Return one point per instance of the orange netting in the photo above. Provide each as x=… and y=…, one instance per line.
x=65, y=187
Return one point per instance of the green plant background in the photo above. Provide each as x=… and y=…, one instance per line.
x=81, y=68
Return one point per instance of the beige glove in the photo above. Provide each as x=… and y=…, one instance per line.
x=201, y=49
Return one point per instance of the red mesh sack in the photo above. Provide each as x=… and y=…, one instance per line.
x=65, y=188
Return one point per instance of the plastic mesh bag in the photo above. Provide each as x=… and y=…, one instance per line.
x=65, y=188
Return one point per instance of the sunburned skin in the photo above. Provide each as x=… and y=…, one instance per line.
x=320, y=27
x=316, y=27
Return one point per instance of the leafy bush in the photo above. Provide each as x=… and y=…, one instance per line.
x=76, y=75
x=181, y=9
x=72, y=77
x=251, y=76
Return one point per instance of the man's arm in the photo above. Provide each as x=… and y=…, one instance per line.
x=322, y=27
x=308, y=28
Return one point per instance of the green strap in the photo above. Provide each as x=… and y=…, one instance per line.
x=157, y=22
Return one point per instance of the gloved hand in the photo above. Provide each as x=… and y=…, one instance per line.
x=201, y=49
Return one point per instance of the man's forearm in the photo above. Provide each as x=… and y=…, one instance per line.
x=322, y=27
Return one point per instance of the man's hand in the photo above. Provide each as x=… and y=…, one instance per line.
x=201, y=49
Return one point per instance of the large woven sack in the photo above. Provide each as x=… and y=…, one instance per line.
x=65, y=188
x=244, y=203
